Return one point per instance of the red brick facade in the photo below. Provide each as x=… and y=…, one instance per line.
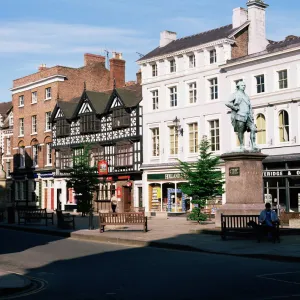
x=240, y=48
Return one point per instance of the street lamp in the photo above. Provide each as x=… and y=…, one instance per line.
x=178, y=127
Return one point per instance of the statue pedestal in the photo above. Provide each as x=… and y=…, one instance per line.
x=244, y=184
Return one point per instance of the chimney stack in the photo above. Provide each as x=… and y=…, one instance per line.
x=139, y=77
x=117, y=69
x=239, y=17
x=42, y=67
x=90, y=59
x=166, y=37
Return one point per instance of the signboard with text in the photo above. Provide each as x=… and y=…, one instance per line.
x=234, y=171
x=102, y=167
x=281, y=173
x=167, y=176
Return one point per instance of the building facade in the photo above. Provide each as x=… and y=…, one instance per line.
x=34, y=98
x=186, y=83
x=111, y=124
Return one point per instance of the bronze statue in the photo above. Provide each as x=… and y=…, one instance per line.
x=242, y=118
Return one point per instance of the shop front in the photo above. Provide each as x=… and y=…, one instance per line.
x=165, y=194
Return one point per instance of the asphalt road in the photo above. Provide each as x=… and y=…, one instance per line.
x=80, y=270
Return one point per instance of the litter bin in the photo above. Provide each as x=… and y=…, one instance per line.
x=10, y=215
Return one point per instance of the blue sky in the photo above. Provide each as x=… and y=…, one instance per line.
x=59, y=32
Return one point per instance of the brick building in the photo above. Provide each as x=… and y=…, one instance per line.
x=33, y=98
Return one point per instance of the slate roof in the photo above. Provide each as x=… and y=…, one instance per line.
x=192, y=41
x=4, y=107
x=68, y=107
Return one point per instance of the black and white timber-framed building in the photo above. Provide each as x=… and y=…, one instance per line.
x=111, y=123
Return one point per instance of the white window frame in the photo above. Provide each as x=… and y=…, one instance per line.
x=275, y=138
x=34, y=97
x=8, y=146
x=195, y=137
x=48, y=121
x=154, y=70
x=212, y=56
x=279, y=80
x=34, y=124
x=173, y=96
x=155, y=152
x=48, y=154
x=21, y=100
x=192, y=61
x=155, y=99
x=22, y=157
x=35, y=155
x=192, y=90
x=21, y=126
x=48, y=92
x=256, y=114
x=213, y=88
x=210, y=135
x=172, y=65
x=176, y=141
x=259, y=84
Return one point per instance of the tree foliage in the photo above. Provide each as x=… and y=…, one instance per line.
x=205, y=180
x=83, y=179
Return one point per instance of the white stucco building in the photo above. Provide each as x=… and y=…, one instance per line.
x=191, y=78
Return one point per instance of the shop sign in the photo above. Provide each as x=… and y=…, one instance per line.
x=102, y=167
x=167, y=176
x=234, y=171
x=123, y=177
x=129, y=184
x=46, y=175
x=281, y=173
x=119, y=192
x=268, y=198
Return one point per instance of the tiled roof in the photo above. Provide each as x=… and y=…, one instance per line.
x=192, y=41
x=4, y=107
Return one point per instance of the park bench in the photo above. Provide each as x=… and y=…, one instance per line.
x=238, y=224
x=129, y=218
x=65, y=221
x=34, y=214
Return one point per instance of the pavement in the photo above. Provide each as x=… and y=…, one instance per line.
x=12, y=282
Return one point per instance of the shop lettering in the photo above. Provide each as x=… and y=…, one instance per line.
x=172, y=176
x=281, y=173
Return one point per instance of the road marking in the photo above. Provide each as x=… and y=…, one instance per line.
x=267, y=276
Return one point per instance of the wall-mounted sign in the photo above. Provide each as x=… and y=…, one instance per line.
x=268, y=198
x=234, y=171
x=129, y=184
x=125, y=177
x=119, y=192
x=281, y=173
x=168, y=176
x=102, y=167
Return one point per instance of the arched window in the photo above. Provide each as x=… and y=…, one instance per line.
x=261, y=129
x=284, y=126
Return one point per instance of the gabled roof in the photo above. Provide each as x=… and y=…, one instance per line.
x=5, y=107
x=193, y=41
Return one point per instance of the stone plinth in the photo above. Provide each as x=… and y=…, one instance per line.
x=244, y=184
x=294, y=223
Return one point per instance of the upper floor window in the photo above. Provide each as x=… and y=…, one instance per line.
x=193, y=138
x=173, y=96
x=192, y=61
x=214, y=135
x=154, y=70
x=62, y=128
x=48, y=154
x=155, y=99
x=34, y=97
x=8, y=146
x=213, y=88
x=65, y=159
x=173, y=140
x=124, y=155
x=172, y=66
x=21, y=100
x=89, y=123
x=260, y=84
x=22, y=157
x=193, y=92
x=155, y=141
x=284, y=126
x=48, y=121
x=282, y=79
x=48, y=93
x=35, y=155
x=97, y=154
x=21, y=126
x=11, y=120
x=261, y=129
x=33, y=124
x=213, y=56
x=120, y=118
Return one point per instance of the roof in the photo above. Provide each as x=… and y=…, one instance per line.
x=192, y=41
x=68, y=107
x=5, y=107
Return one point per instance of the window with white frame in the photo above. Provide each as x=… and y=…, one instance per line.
x=214, y=135
x=173, y=140
x=8, y=146
x=282, y=79
x=48, y=120
x=155, y=141
x=33, y=124
x=11, y=120
x=192, y=61
x=21, y=100
x=154, y=70
x=34, y=155
x=48, y=154
x=34, y=97
x=193, y=92
x=213, y=88
x=22, y=157
x=172, y=66
x=154, y=99
x=261, y=137
x=193, y=138
x=48, y=93
x=21, y=126
x=260, y=83
x=8, y=168
x=284, y=126
x=124, y=155
x=213, y=56
x=173, y=96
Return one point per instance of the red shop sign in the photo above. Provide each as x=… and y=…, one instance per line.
x=119, y=192
x=102, y=167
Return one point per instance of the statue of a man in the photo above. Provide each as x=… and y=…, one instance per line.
x=242, y=115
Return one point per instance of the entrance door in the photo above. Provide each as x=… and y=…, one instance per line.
x=126, y=198
x=58, y=199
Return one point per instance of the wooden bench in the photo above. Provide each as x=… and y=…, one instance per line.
x=31, y=214
x=65, y=221
x=239, y=224
x=130, y=218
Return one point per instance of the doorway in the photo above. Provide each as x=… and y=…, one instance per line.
x=58, y=199
x=140, y=196
x=127, y=198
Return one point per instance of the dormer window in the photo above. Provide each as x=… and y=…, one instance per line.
x=62, y=128
x=120, y=118
x=172, y=66
x=89, y=123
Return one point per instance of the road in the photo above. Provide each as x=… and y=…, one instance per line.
x=80, y=270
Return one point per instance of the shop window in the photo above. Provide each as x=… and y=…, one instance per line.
x=284, y=128
x=261, y=129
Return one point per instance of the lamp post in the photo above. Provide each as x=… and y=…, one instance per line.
x=178, y=127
